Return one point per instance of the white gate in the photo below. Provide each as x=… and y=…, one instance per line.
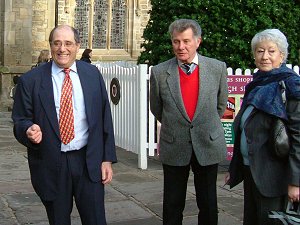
x=134, y=131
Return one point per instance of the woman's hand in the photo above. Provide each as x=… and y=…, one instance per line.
x=227, y=178
x=293, y=193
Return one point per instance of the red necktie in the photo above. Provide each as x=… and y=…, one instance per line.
x=66, y=117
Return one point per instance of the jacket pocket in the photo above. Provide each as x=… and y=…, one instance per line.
x=214, y=135
x=166, y=136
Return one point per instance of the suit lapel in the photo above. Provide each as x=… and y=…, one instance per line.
x=47, y=98
x=203, y=85
x=174, y=85
x=87, y=92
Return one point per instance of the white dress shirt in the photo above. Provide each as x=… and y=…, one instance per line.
x=80, y=121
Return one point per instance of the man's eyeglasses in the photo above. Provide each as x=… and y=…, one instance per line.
x=58, y=44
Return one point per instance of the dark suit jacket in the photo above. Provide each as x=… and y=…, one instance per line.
x=34, y=104
x=179, y=136
x=270, y=174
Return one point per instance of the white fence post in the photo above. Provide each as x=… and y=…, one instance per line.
x=142, y=150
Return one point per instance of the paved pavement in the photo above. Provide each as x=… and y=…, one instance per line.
x=133, y=198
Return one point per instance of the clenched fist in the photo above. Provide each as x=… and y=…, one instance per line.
x=34, y=134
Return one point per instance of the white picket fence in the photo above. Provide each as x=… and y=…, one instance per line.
x=134, y=124
x=134, y=130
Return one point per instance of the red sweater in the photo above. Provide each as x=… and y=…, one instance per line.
x=189, y=85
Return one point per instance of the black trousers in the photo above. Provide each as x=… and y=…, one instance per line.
x=175, y=187
x=76, y=185
x=257, y=206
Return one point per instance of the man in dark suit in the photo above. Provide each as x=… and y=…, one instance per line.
x=188, y=96
x=67, y=159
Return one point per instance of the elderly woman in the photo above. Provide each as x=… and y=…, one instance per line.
x=269, y=181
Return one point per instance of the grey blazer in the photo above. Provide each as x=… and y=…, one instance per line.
x=179, y=136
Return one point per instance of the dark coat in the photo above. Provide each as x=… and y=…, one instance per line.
x=86, y=59
x=271, y=174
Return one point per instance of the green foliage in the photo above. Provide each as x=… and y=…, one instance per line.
x=227, y=28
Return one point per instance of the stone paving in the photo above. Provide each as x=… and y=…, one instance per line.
x=133, y=198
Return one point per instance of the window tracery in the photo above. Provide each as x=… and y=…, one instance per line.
x=101, y=23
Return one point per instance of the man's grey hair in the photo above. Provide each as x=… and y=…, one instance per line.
x=181, y=25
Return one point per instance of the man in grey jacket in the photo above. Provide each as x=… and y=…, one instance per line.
x=188, y=96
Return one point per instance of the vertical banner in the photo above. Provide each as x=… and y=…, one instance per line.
x=236, y=89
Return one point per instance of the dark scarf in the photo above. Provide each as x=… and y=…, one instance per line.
x=264, y=92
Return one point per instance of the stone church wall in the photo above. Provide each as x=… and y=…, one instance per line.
x=24, y=30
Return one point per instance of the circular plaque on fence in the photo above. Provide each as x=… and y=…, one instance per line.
x=115, y=93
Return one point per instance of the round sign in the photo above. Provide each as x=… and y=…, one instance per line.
x=115, y=93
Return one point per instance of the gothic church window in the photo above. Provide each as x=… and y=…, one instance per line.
x=101, y=23
x=81, y=21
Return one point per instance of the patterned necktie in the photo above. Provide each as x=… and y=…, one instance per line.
x=66, y=117
x=188, y=68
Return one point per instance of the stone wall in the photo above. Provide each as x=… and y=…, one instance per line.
x=43, y=21
x=2, y=7
x=15, y=44
x=25, y=26
x=140, y=23
x=17, y=32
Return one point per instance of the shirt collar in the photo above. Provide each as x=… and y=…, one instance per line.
x=195, y=60
x=56, y=69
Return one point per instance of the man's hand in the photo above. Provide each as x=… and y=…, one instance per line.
x=293, y=193
x=34, y=134
x=107, y=172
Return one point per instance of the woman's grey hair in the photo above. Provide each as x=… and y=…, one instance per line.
x=273, y=35
x=181, y=25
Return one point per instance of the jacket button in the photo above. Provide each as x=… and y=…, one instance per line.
x=190, y=142
x=192, y=126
